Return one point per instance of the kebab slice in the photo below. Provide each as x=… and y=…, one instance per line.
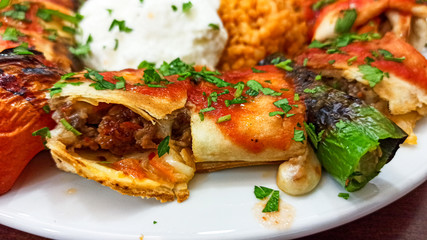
x=387, y=73
x=124, y=134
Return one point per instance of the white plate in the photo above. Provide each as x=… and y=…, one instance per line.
x=59, y=205
x=54, y=204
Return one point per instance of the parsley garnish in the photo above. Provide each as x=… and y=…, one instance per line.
x=345, y=23
x=208, y=76
x=121, y=25
x=57, y=87
x=224, y=118
x=321, y=4
x=208, y=109
x=305, y=62
x=69, y=29
x=283, y=104
x=145, y=64
x=276, y=60
x=4, y=3
x=153, y=79
x=121, y=82
x=163, y=147
x=254, y=70
x=262, y=192
x=238, y=100
x=255, y=87
x=311, y=132
x=46, y=15
x=70, y=128
x=116, y=44
x=11, y=34
x=177, y=66
x=18, y=13
x=174, y=8
x=44, y=133
x=298, y=135
x=213, y=26
x=273, y=203
x=100, y=83
x=186, y=7
x=346, y=196
x=46, y=108
x=82, y=49
x=22, y=50
x=351, y=60
x=285, y=65
x=318, y=77
x=372, y=74
x=389, y=56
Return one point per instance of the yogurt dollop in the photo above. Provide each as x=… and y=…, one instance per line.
x=151, y=30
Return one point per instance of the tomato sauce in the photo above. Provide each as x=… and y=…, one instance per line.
x=248, y=119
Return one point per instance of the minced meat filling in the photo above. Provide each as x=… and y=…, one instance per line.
x=118, y=129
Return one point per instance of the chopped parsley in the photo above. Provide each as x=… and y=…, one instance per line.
x=283, y=104
x=276, y=60
x=388, y=56
x=177, y=66
x=186, y=7
x=46, y=15
x=174, y=8
x=70, y=128
x=331, y=61
x=344, y=23
x=285, y=65
x=346, y=196
x=153, y=79
x=272, y=114
x=154, y=222
x=298, y=135
x=239, y=89
x=44, y=133
x=18, y=12
x=273, y=202
x=314, y=137
x=208, y=76
x=262, y=192
x=255, y=87
x=238, y=100
x=82, y=49
x=121, y=25
x=351, y=60
x=213, y=26
x=208, y=109
x=68, y=76
x=4, y=3
x=318, y=77
x=69, y=29
x=321, y=4
x=11, y=34
x=296, y=97
x=100, y=83
x=121, y=82
x=254, y=70
x=116, y=44
x=57, y=87
x=224, y=118
x=22, y=50
x=163, y=147
x=304, y=63
x=46, y=108
x=343, y=40
x=372, y=74
x=145, y=64
x=110, y=11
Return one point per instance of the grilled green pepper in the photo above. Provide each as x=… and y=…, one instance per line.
x=352, y=140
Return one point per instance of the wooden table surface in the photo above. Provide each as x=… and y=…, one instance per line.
x=404, y=219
